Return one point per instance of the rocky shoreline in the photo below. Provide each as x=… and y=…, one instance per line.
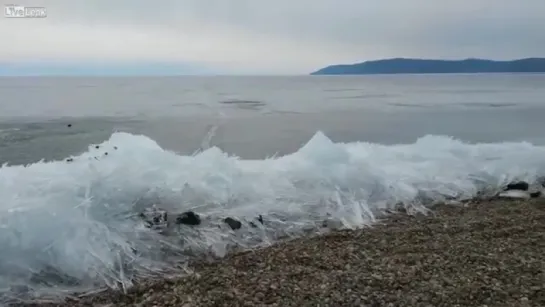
x=482, y=253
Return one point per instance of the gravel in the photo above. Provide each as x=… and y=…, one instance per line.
x=488, y=253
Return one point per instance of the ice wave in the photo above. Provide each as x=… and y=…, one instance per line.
x=76, y=220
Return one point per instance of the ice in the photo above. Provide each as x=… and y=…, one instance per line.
x=78, y=220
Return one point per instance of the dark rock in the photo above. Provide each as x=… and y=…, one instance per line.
x=259, y=219
x=159, y=219
x=520, y=185
x=115, y=147
x=20, y=289
x=50, y=276
x=535, y=194
x=97, y=147
x=69, y=125
x=234, y=224
x=105, y=153
x=155, y=218
x=69, y=160
x=188, y=218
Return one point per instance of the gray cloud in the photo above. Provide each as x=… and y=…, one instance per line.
x=281, y=36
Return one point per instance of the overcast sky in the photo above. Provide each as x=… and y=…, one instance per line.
x=266, y=36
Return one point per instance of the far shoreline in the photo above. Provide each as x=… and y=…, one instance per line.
x=258, y=76
x=427, y=74
x=434, y=66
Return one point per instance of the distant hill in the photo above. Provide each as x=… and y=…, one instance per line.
x=421, y=66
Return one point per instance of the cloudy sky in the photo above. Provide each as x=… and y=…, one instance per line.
x=261, y=36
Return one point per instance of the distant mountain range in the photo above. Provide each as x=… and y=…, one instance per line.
x=422, y=66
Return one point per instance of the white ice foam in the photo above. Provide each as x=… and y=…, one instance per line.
x=515, y=194
x=76, y=217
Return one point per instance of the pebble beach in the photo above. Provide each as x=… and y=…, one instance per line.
x=481, y=253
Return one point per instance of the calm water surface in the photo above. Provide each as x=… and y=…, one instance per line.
x=255, y=117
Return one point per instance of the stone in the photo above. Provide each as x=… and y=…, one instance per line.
x=20, y=289
x=234, y=224
x=535, y=194
x=259, y=219
x=50, y=276
x=155, y=218
x=520, y=185
x=188, y=218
